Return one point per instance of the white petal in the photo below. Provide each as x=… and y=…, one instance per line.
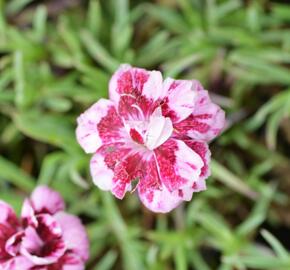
x=159, y=130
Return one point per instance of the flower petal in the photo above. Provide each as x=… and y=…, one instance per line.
x=107, y=171
x=153, y=194
x=69, y=261
x=137, y=81
x=98, y=125
x=201, y=148
x=159, y=130
x=43, y=244
x=179, y=101
x=186, y=193
x=7, y=215
x=74, y=235
x=17, y=263
x=102, y=175
x=153, y=87
x=12, y=246
x=46, y=200
x=179, y=166
x=73, y=265
x=135, y=91
x=160, y=201
x=8, y=227
x=206, y=121
x=28, y=214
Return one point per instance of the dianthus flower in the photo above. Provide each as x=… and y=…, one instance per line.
x=151, y=135
x=45, y=238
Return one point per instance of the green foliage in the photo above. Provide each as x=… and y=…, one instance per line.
x=56, y=58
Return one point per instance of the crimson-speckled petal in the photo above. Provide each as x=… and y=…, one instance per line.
x=46, y=200
x=8, y=227
x=74, y=235
x=206, y=121
x=178, y=103
x=107, y=169
x=18, y=263
x=135, y=91
x=7, y=215
x=98, y=125
x=202, y=149
x=153, y=194
x=179, y=166
x=44, y=244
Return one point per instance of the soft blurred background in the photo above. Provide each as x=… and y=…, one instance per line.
x=56, y=58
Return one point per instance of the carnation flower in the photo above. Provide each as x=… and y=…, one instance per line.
x=45, y=238
x=151, y=136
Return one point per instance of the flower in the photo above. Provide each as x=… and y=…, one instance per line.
x=152, y=134
x=46, y=238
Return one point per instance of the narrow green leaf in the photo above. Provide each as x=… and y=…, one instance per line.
x=94, y=17
x=276, y=245
x=180, y=258
x=97, y=52
x=231, y=180
x=39, y=23
x=20, y=94
x=107, y=262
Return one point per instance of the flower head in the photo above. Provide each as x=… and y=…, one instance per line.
x=46, y=238
x=152, y=132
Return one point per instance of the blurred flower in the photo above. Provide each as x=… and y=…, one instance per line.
x=151, y=133
x=46, y=238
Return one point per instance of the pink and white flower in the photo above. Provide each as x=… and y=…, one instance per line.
x=46, y=238
x=151, y=135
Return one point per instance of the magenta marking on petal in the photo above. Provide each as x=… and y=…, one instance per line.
x=123, y=165
x=19, y=263
x=206, y=121
x=127, y=90
x=7, y=215
x=9, y=226
x=202, y=150
x=166, y=158
x=192, y=123
x=45, y=200
x=135, y=135
x=149, y=182
x=113, y=153
x=109, y=127
x=121, y=180
x=74, y=235
x=180, y=193
x=129, y=169
x=191, y=165
x=166, y=110
x=178, y=103
x=43, y=244
x=12, y=245
x=97, y=124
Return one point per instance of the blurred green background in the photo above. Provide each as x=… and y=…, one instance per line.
x=56, y=58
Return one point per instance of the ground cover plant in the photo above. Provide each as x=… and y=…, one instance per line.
x=56, y=58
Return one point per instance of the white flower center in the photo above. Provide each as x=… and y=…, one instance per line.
x=158, y=131
x=153, y=132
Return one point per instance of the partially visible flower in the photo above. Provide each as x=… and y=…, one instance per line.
x=152, y=132
x=46, y=238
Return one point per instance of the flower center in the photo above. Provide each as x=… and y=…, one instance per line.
x=136, y=136
x=153, y=132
